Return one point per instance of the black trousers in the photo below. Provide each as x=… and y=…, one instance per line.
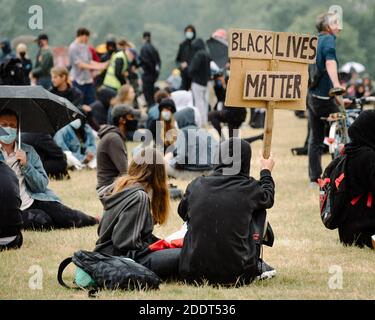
x=218, y=117
x=149, y=89
x=51, y=214
x=318, y=108
x=10, y=202
x=163, y=262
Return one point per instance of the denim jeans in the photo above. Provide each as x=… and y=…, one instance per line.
x=88, y=91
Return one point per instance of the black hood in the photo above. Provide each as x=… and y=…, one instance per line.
x=362, y=131
x=6, y=46
x=242, y=156
x=198, y=44
x=185, y=118
x=192, y=28
x=105, y=96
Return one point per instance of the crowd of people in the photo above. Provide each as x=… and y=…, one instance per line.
x=223, y=206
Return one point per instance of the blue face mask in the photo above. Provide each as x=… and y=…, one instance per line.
x=10, y=137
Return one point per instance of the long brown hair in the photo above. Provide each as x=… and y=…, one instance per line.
x=122, y=95
x=151, y=174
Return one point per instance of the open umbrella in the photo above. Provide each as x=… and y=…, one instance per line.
x=38, y=109
x=353, y=66
x=26, y=39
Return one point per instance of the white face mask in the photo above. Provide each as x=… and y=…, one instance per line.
x=76, y=124
x=189, y=35
x=166, y=115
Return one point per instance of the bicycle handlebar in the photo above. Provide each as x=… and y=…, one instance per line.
x=336, y=92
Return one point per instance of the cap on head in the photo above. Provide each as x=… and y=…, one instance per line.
x=122, y=110
x=42, y=36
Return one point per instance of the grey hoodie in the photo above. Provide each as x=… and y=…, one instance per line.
x=194, y=147
x=127, y=224
x=112, y=157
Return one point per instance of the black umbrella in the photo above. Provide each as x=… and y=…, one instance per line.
x=218, y=51
x=38, y=109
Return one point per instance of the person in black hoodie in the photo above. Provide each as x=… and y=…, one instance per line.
x=151, y=64
x=126, y=228
x=10, y=212
x=225, y=214
x=359, y=223
x=185, y=55
x=199, y=71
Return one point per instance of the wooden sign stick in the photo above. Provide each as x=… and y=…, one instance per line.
x=268, y=125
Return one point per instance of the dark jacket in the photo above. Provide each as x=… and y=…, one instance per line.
x=199, y=68
x=150, y=61
x=73, y=94
x=220, y=210
x=185, y=50
x=127, y=224
x=359, y=225
x=43, y=64
x=112, y=157
x=101, y=105
x=7, y=52
x=47, y=150
x=10, y=202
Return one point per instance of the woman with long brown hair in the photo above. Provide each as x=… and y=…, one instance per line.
x=138, y=201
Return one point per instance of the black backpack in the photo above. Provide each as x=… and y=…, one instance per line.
x=101, y=271
x=314, y=76
x=333, y=197
x=11, y=73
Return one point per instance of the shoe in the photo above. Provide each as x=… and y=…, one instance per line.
x=264, y=271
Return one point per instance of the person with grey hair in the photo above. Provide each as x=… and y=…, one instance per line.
x=326, y=77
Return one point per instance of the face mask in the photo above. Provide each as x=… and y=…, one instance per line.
x=131, y=125
x=76, y=124
x=11, y=137
x=189, y=35
x=22, y=55
x=166, y=115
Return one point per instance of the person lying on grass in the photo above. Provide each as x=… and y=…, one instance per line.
x=138, y=201
x=41, y=208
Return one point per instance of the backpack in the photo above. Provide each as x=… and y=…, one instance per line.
x=314, y=76
x=101, y=271
x=333, y=196
x=11, y=72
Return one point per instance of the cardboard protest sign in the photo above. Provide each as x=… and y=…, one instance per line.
x=269, y=70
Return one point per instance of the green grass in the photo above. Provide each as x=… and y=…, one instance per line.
x=303, y=251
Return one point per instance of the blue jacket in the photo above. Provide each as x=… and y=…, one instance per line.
x=36, y=179
x=67, y=140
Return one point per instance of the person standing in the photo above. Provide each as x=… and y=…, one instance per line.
x=27, y=65
x=151, y=64
x=82, y=64
x=185, y=55
x=199, y=71
x=321, y=104
x=43, y=63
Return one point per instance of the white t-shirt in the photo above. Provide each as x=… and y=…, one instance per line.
x=12, y=163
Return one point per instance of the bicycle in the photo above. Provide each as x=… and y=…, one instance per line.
x=342, y=120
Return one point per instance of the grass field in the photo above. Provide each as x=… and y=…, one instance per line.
x=304, y=252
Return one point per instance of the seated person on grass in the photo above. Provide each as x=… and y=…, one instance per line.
x=41, y=208
x=10, y=213
x=226, y=220
x=78, y=143
x=138, y=201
